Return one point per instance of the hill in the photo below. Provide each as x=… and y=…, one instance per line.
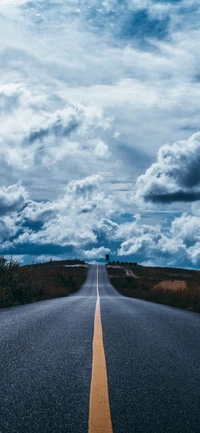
x=170, y=286
x=24, y=284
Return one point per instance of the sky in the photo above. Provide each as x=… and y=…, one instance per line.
x=100, y=130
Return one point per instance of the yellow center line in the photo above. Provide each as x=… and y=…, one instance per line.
x=99, y=411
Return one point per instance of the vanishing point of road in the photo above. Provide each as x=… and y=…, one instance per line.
x=97, y=362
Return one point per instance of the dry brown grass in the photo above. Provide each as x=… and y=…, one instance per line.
x=174, y=285
x=170, y=286
x=20, y=285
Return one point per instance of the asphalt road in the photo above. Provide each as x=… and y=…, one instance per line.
x=152, y=356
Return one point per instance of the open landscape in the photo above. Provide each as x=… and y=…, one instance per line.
x=53, y=279
x=170, y=286
x=99, y=216
x=40, y=281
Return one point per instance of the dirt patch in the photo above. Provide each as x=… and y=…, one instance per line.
x=129, y=273
x=173, y=285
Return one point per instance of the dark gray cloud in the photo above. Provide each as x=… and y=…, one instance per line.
x=173, y=197
x=59, y=128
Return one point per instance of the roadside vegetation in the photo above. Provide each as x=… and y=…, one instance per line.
x=24, y=284
x=170, y=286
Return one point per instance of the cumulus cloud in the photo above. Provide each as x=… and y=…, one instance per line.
x=187, y=228
x=175, y=176
x=138, y=238
x=76, y=223
x=12, y=198
x=101, y=150
x=87, y=71
x=73, y=219
x=96, y=253
x=35, y=133
x=8, y=227
x=176, y=245
x=57, y=127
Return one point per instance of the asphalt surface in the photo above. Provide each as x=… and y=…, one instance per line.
x=152, y=355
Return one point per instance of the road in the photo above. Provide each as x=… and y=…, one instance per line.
x=152, y=364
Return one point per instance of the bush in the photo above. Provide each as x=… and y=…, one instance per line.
x=16, y=287
x=67, y=281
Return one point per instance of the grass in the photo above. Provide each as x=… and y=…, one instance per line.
x=25, y=284
x=170, y=286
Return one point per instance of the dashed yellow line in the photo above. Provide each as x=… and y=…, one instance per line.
x=99, y=410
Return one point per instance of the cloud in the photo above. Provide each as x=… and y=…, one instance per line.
x=151, y=243
x=35, y=134
x=138, y=238
x=178, y=244
x=60, y=124
x=72, y=220
x=12, y=198
x=131, y=21
x=96, y=253
x=142, y=26
x=82, y=222
x=8, y=227
x=175, y=176
x=101, y=150
x=85, y=105
x=84, y=188
x=187, y=228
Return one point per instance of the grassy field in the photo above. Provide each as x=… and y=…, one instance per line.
x=24, y=284
x=170, y=286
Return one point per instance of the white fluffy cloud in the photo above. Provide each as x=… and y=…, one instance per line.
x=179, y=243
x=35, y=132
x=73, y=219
x=8, y=227
x=13, y=198
x=76, y=219
x=96, y=253
x=175, y=176
x=87, y=71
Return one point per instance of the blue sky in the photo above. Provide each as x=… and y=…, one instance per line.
x=99, y=130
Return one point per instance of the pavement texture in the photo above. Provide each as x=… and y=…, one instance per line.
x=152, y=357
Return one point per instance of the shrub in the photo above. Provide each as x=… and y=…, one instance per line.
x=15, y=286
x=61, y=280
